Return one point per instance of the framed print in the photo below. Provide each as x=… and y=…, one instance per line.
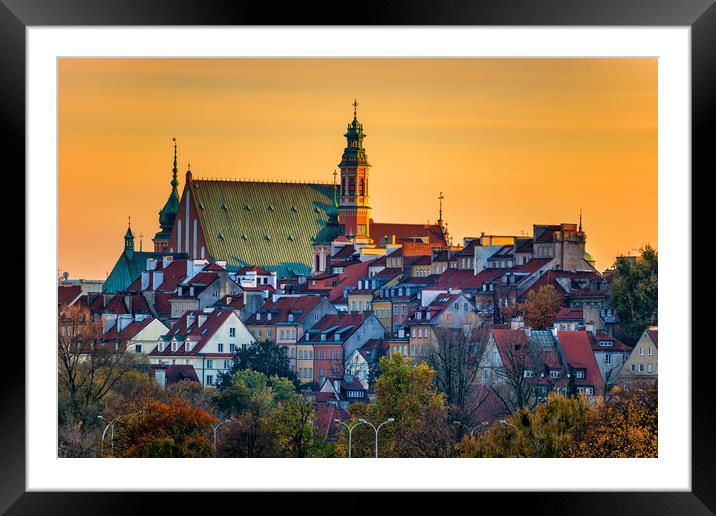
x=466, y=274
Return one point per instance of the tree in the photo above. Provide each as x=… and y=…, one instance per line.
x=173, y=429
x=295, y=427
x=514, y=381
x=88, y=367
x=634, y=293
x=627, y=426
x=406, y=393
x=266, y=357
x=268, y=418
x=456, y=358
x=540, y=307
x=550, y=430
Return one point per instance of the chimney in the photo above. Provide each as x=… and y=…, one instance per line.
x=166, y=260
x=160, y=375
x=337, y=385
x=123, y=321
x=591, y=327
x=228, y=300
x=108, y=320
x=151, y=264
x=145, y=280
x=190, y=317
x=201, y=320
x=157, y=279
x=128, y=303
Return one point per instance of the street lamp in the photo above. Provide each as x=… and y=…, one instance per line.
x=390, y=420
x=350, y=432
x=216, y=427
x=111, y=438
x=470, y=430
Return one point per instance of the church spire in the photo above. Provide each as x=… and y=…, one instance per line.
x=440, y=213
x=580, y=220
x=174, y=181
x=129, y=237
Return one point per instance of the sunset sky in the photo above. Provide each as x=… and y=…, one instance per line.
x=509, y=142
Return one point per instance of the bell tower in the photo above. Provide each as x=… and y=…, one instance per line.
x=354, y=208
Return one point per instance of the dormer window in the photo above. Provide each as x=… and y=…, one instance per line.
x=174, y=346
x=161, y=347
x=337, y=337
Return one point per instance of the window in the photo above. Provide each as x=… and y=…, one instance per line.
x=641, y=351
x=395, y=310
x=320, y=372
x=232, y=332
x=633, y=368
x=268, y=334
x=650, y=353
x=579, y=374
x=353, y=306
x=402, y=309
x=608, y=359
x=641, y=368
x=174, y=346
x=210, y=364
x=315, y=316
x=232, y=348
x=209, y=379
x=649, y=368
x=528, y=373
x=310, y=354
x=258, y=333
x=137, y=348
x=227, y=364
x=554, y=373
x=589, y=390
x=220, y=347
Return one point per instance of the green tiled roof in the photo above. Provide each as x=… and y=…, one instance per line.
x=269, y=224
x=129, y=267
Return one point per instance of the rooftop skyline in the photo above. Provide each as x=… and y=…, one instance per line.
x=509, y=142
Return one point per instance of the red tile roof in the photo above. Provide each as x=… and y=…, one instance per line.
x=616, y=344
x=162, y=304
x=180, y=372
x=128, y=332
x=570, y=314
x=325, y=416
x=577, y=349
x=281, y=308
x=68, y=294
x=464, y=278
x=405, y=232
x=234, y=301
x=340, y=320
x=654, y=335
x=253, y=268
x=200, y=335
x=174, y=274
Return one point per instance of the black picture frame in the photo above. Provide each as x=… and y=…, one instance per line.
x=700, y=15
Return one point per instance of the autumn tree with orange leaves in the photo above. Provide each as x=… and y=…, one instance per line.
x=168, y=430
x=538, y=309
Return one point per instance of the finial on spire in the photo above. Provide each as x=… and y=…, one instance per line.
x=355, y=108
x=174, y=181
x=334, y=177
x=129, y=221
x=440, y=216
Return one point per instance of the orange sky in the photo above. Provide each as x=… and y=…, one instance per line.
x=510, y=142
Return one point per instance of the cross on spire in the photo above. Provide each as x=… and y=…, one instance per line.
x=440, y=198
x=355, y=108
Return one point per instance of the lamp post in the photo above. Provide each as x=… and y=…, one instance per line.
x=215, y=428
x=111, y=425
x=376, y=430
x=350, y=432
x=470, y=430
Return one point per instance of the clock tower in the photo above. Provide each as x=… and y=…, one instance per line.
x=354, y=208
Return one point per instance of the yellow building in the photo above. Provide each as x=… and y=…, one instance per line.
x=383, y=310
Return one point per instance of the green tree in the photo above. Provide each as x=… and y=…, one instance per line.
x=634, y=293
x=406, y=393
x=550, y=430
x=266, y=357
